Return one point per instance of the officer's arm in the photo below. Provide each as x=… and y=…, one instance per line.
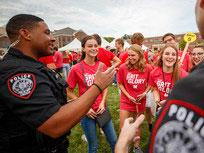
x=71, y=94
x=69, y=115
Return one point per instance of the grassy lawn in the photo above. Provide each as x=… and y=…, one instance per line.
x=79, y=146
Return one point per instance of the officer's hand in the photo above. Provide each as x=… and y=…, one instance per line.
x=104, y=79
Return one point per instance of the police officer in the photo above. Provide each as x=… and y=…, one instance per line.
x=34, y=114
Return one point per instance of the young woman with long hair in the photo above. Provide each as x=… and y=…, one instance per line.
x=82, y=74
x=166, y=74
x=133, y=80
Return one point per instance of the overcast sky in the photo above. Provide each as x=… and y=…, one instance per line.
x=108, y=17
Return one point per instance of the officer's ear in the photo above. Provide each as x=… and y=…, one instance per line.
x=24, y=33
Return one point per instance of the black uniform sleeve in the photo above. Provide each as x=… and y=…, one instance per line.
x=30, y=97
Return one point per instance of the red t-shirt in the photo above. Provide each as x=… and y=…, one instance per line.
x=186, y=61
x=123, y=57
x=74, y=56
x=163, y=82
x=134, y=81
x=46, y=60
x=68, y=59
x=146, y=56
x=105, y=56
x=76, y=76
x=156, y=57
x=58, y=59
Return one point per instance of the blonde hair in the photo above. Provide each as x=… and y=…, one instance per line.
x=176, y=69
x=140, y=65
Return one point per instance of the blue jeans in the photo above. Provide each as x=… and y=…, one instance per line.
x=115, y=80
x=66, y=69
x=89, y=127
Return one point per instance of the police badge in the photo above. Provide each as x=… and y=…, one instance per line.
x=22, y=85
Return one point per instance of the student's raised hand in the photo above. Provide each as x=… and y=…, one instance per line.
x=127, y=134
x=129, y=128
x=104, y=79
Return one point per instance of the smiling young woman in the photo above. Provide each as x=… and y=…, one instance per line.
x=166, y=74
x=83, y=75
x=132, y=80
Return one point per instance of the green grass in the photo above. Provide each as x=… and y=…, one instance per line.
x=79, y=146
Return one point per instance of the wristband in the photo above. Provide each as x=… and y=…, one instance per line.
x=98, y=87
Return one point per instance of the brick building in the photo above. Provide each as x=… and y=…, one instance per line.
x=156, y=42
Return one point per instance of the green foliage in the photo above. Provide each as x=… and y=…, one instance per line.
x=182, y=44
x=109, y=39
x=79, y=146
x=126, y=36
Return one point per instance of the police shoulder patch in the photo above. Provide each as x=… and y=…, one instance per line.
x=178, y=129
x=22, y=85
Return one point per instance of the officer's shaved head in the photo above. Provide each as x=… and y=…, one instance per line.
x=17, y=22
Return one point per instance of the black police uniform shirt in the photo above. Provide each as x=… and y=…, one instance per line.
x=180, y=125
x=30, y=93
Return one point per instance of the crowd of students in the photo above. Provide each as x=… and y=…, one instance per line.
x=34, y=97
x=141, y=74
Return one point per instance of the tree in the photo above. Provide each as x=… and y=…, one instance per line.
x=182, y=44
x=109, y=39
x=126, y=37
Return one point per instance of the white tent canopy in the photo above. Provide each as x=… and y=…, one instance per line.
x=104, y=43
x=75, y=45
x=144, y=47
x=126, y=44
x=112, y=44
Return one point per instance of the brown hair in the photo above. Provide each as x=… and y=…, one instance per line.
x=199, y=46
x=137, y=37
x=120, y=41
x=83, y=42
x=168, y=34
x=98, y=38
x=176, y=69
x=140, y=65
